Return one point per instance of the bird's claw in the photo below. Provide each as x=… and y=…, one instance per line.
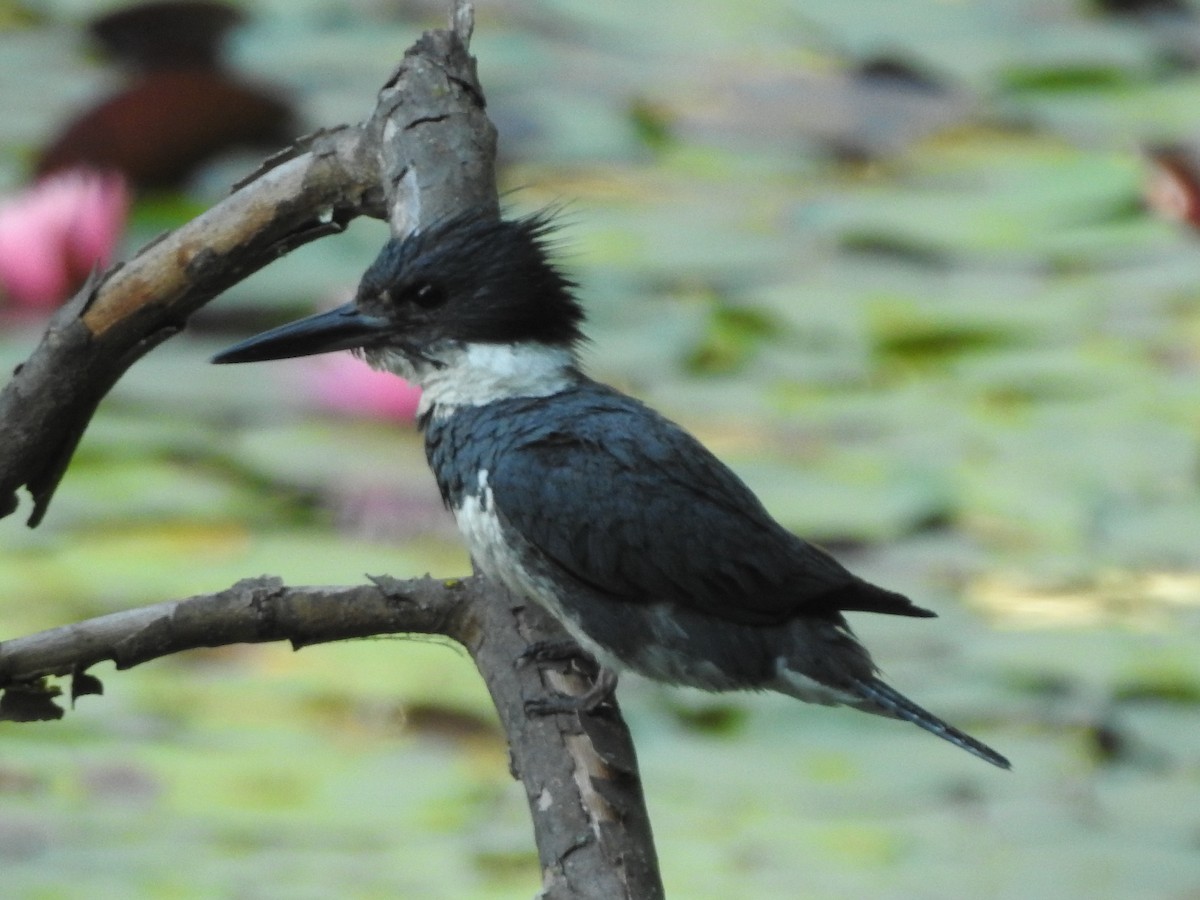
x=552, y=705
x=603, y=686
x=552, y=652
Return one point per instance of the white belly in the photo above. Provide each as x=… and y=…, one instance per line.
x=494, y=555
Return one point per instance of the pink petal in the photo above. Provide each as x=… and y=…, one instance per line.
x=55, y=232
x=345, y=384
x=102, y=205
x=31, y=270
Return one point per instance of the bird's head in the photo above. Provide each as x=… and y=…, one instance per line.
x=471, y=297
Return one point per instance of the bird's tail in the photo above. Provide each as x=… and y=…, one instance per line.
x=892, y=702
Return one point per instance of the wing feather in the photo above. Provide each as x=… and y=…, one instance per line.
x=633, y=506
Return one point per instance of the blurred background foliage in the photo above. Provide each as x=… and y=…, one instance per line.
x=909, y=270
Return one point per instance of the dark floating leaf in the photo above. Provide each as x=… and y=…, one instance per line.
x=898, y=247
x=908, y=339
x=499, y=863
x=879, y=107
x=1112, y=745
x=1166, y=688
x=731, y=340
x=721, y=719
x=1120, y=210
x=444, y=723
x=934, y=519
x=1107, y=742
x=939, y=344
x=1063, y=79
x=1051, y=686
x=896, y=72
x=33, y=702
x=965, y=794
x=652, y=123
x=1142, y=8
x=19, y=781
x=179, y=93
x=185, y=33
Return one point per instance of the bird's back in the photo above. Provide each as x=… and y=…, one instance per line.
x=632, y=506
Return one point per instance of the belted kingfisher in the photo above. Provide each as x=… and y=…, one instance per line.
x=652, y=554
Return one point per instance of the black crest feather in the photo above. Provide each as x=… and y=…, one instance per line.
x=497, y=276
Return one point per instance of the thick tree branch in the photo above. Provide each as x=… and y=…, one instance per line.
x=427, y=150
x=117, y=318
x=579, y=772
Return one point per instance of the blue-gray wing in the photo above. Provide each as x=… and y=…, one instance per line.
x=629, y=504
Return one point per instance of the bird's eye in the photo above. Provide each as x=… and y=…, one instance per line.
x=428, y=296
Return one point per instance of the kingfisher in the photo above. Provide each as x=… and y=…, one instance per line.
x=651, y=553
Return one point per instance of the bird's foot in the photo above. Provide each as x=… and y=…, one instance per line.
x=603, y=685
x=567, y=655
x=567, y=651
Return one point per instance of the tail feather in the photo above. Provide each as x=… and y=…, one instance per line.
x=896, y=704
x=862, y=596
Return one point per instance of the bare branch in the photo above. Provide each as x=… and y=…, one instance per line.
x=427, y=150
x=252, y=611
x=579, y=772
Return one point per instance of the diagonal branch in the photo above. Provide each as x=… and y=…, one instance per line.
x=428, y=149
x=122, y=315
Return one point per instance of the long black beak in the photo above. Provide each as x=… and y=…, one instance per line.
x=343, y=328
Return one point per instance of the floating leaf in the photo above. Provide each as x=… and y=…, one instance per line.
x=1055, y=79
x=651, y=123
x=719, y=719
x=732, y=337
x=911, y=335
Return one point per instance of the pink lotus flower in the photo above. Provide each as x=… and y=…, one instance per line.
x=54, y=233
x=342, y=383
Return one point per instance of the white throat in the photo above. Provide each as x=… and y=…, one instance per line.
x=456, y=375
